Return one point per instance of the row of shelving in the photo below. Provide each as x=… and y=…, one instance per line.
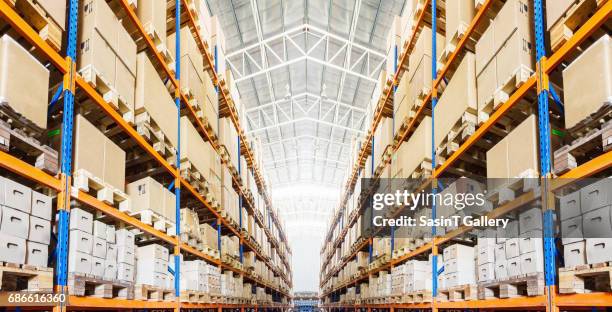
x=586, y=169
x=28, y=171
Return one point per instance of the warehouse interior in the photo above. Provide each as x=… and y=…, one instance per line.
x=248, y=155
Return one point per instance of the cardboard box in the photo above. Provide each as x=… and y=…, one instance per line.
x=110, y=270
x=516, y=53
x=126, y=254
x=194, y=149
x=12, y=248
x=98, y=266
x=169, y=205
x=88, y=148
x=96, y=15
x=571, y=230
x=459, y=15
x=515, y=17
x=486, y=272
x=24, y=82
x=146, y=194
x=512, y=248
x=99, y=247
x=513, y=266
x=41, y=205
x=501, y=269
x=99, y=229
x=153, y=251
x=16, y=195
x=574, y=253
x=79, y=262
x=40, y=230
x=414, y=152
x=14, y=222
x=597, y=223
x=153, y=97
x=458, y=98
x=596, y=195
x=569, y=206
x=423, y=47
x=530, y=220
x=80, y=241
x=555, y=9
x=37, y=254
x=111, y=251
x=110, y=234
x=532, y=262
x=485, y=49
x=530, y=242
x=97, y=46
x=124, y=237
x=486, y=80
x=56, y=10
x=125, y=272
x=81, y=220
x=152, y=15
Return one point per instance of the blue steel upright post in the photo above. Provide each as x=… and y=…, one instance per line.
x=63, y=199
x=545, y=152
x=240, y=200
x=177, y=184
x=434, y=185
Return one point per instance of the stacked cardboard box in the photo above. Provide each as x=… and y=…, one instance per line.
x=150, y=196
x=152, y=15
x=394, y=46
x=596, y=61
x=153, y=103
x=192, y=67
x=209, y=236
x=585, y=224
x=98, y=249
x=414, y=154
x=229, y=246
x=152, y=265
x=458, y=17
x=107, y=55
x=24, y=82
x=25, y=227
x=217, y=39
x=383, y=137
x=462, y=185
x=228, y=137
x=504, y=53
x=457, y=105
x=419, y=71
x=411, y=276
x=97, y=156
x=504, y=164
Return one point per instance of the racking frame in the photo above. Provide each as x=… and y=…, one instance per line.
x=551, y=300
x=62, y=182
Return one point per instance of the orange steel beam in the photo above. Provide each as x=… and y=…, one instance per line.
x=24, y=169
x=94, y=302
x=510, y=303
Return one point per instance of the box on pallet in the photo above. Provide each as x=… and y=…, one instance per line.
x=147, y=194
x=24, y=82
x=96, y=156
x=413, y=156
x=152, y=15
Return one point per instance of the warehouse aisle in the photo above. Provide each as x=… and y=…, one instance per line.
x=305, y=155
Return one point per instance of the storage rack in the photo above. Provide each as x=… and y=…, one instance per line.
x=552, y=300
x=63, y=186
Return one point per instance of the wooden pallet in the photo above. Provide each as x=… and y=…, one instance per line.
x=153, y=293
x=36, y=16
x=574, y=17
x=526, y=285
x=91, y=286
x=194, y=177
x=458, y=293
x=83, y=180
x=594, y=138
x=586, y=278
x=19, y=277
x=421, y=296
x=193, y=296
x=108, y=92
x=20, y=136
x=161, y=47
x=463, y=128
x=148, y=129
x=501, y=95
x=451, y=45
x=154, y=219
x=527, y=181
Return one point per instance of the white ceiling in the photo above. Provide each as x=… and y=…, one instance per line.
x=305, y=71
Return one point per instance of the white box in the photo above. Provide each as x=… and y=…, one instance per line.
x=99, y=229
x=486, y=253
x=79, y=262
x=530, y=242
x=111, y=252
x=455, y=265
x=513, y=266
x=151, y=278
x=40, y=230
x=125, y=254
x=460, y=278
x=598, y=250
x=15, y=222
x=153, y=251
x=154, y=264
x=574, y=254
x=17, y=196
x=571, y=230
x=110, y=234
x=110, y=270
x=530, y=220
x=12, y=249
x=532, y=262
x=81, y=220
x=512, y=248
x=596, y=223
x=501, y=269
x=124, y=237
x=98, y=266
x=37, y=254
x=569, y=206
x=125, y=272
x=41, y=205
x=458, y=251
x=500, y=252
x=596, y=195
x=99, y=247
x=486, y=272
x=81, y=241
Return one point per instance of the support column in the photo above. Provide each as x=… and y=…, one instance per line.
x=177, y=183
